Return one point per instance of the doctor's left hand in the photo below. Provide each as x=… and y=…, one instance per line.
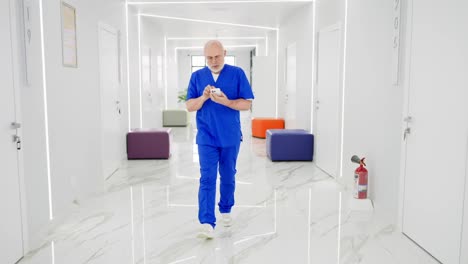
x=220, y=99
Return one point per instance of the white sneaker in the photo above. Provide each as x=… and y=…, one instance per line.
x=226, y=219
x=206, y=231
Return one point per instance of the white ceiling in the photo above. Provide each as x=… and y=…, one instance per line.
x=261, y=14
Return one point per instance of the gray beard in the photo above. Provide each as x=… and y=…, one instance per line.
x=222, y=66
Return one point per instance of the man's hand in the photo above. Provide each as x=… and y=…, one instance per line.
x=220, y=99
x=207, y=92
x=195, y=104
x=237, y=104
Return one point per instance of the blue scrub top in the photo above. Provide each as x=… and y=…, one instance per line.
x=219, y=125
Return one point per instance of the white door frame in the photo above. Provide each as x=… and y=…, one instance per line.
x=19, y=72
x=464, y=242
x=110, y=29
x=406, y=21
x=19, y=67
x=404, y=71
x=333, y=27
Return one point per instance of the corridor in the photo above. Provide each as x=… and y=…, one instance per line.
x=285, y=212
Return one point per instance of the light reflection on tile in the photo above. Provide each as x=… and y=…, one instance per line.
x=286, y=212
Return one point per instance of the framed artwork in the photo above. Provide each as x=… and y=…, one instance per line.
x=69, y=49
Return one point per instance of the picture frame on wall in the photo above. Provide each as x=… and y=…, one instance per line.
x=69, y=47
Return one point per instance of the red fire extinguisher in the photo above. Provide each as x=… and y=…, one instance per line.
x=360, y=178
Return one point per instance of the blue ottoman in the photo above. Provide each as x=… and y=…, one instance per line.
x=289, y=144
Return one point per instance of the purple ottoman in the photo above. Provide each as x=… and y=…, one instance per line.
x=149, y=143
x=289, y=144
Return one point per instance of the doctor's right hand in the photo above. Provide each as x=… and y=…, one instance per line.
x=207, y=92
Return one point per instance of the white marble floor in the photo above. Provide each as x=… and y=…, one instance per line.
x=286, y=212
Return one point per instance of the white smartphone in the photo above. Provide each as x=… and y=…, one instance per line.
x=216, y=91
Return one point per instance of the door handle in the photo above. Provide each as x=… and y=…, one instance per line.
x=406, y=132
x=17, y=140
x=15, y=125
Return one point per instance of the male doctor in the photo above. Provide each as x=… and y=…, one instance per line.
x=217, y=92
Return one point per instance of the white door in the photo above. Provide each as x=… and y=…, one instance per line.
x=112, y=138
x=291, y=78
x=11, y=241
x=263, y=86
x=327, y=134
x=436, y=148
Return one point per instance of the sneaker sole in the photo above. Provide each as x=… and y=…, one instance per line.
x=205, y=235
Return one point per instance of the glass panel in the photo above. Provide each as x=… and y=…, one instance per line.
x=196, y=68
x=198, y=60
x=231, y=60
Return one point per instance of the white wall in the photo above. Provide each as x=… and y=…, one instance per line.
x=373, y=106
x=298, y=29
x=172, y=79
x=153, y=95
x=271, y=43
x=263, y=86
x=184, y=69
x=242, y=59
x=33, y=134
x=133, y=69
x=328, y=13
x=73, y=111
x=272, y=52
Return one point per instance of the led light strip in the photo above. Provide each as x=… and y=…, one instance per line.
x=132, y=223
x=200, y=47
x=261, y=235
x=52, y=249
x=209, y=21
x=343, y=87
x=143, y=222
x=165, y=72
x=227, y=46
x=208, y=38
x=139, y=71
x=220, y=2
x=339, y=230
x=312, y=95
x=277, y=73
x=46, y=117
x=183, y=260
x=128, y=68
x=309, y=227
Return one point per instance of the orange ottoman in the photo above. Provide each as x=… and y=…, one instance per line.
x=261, y=125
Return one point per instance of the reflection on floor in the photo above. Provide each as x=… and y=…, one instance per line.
x=286, y=212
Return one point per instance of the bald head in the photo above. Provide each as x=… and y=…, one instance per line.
x=214, y=54
x=214, y=44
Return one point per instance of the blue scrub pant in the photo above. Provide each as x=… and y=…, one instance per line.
x=210, y=157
